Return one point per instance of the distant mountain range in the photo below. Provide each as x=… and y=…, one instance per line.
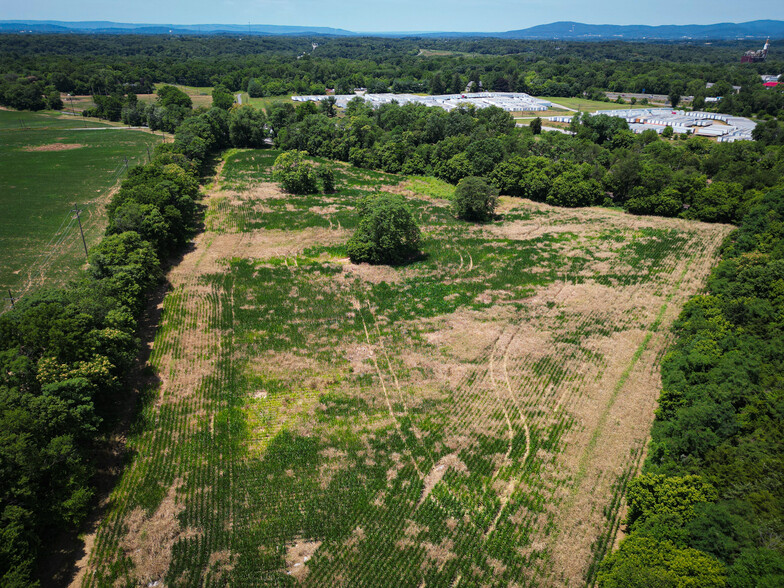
x=580, y=31
x=119, y=28
x=576, y=31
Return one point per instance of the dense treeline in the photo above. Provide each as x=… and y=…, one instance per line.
x=604, y=163
x=266, y=66
x=64, y=354
x=708, y=509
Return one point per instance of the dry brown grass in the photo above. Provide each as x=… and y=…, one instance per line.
x=54, y=147
x=150, y=538
x=297, y=555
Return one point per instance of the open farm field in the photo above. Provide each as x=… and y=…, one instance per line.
x=14, y=120
x=200, y=96
x=76, y=104
x=468, y=419
x=45, y=168
x=583, y=104
x=264, y=102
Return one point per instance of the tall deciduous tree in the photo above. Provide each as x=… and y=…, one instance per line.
x=387, y=232
x=475, y=199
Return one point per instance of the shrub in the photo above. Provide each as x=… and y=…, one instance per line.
x=387, y=232
x=665, y=203
x=642, y=562
x=656, y=494
x=295, y=175
x=475, y=199
x=327, y=176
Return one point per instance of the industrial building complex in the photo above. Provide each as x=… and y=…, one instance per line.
x=509, y=101
x=724, y=127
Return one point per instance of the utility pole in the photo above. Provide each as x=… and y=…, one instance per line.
x=149, y=158
x=11, y=297
x=126, y=162
x=77, y=211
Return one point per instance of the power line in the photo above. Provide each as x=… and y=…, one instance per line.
x=77, y=211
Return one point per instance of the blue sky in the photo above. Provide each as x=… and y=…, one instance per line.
x=397, y=15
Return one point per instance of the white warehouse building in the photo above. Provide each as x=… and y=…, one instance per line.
x=707, y=124
x=508, y=101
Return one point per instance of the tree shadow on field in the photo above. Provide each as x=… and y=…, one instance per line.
x=415, y=258
x=66, y=553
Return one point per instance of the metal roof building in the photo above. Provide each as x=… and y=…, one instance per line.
x=508, y=101
x=707, y=124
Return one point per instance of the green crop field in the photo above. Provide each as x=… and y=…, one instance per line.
x=468, y=419
x=46, y=166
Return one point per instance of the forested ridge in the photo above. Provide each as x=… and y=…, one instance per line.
x=707, y=509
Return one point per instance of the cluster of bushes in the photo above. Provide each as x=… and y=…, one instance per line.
x=708, y=509
x=64, y=353
x=298, y=176
x=387, y=232
x=475, y=200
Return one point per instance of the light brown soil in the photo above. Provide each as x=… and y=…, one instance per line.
x=297, y=557
x=434, y=475
x=54, y=147
x=150, y=538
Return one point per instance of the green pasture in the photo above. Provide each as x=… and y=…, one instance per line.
x=13, y=120
x=585, y=105
x=38, y=242
x=264, y=102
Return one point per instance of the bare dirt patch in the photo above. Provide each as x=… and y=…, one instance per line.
x=435, y=475
x=297, y=557
x=372, y=273
x=54, y=147
x=150, y=538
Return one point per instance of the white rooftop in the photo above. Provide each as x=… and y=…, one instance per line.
x=509, y=101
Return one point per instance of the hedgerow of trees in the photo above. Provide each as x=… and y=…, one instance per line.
x=64, y=354
x=708, y=509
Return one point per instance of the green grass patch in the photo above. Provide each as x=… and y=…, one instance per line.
x=43, y=172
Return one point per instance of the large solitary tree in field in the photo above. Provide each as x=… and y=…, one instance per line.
x=387, y=232
x=295, y=175
x=475, y=199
